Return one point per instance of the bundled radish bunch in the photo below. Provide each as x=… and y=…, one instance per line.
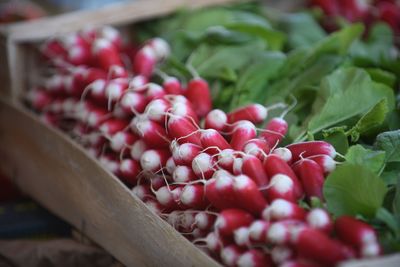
x=214, y=176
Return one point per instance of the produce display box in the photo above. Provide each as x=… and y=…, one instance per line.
x=67, y=180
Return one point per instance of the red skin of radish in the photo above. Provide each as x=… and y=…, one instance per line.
x=226, y=159
x=96, y=117
x=254, y=113
x=299, y=263
x=132, y=101
x=169, y=199
x=213, y=141
x=354, y=232
x=311, y=176
x=193, y=197
x=138, y=148
x=253, y=168
x=215, y=242
x=220, y=193
x=151, y=156
x=185, y=110
x=183, y=131
x=273, y=164
x=98, y=92
x=311, y=148
x=216, y=119
x=282, y=232
x=157, y=182
x=257, y=147
x=91, y=75
x=39, y=99
x=153, y=134
x=281, y=187
x=248, y=196
x=276, y=130
x=53, y=49
x=316, y=246
x=183, y=174
x=106, y=54
x=112, y=126
x=129, y=169
x=115, y=89
x=243, y=131
x=172, y=86
x=231, y=219
x=255, y=258
x=198, y=93
x=144, y=62
x=117, y=72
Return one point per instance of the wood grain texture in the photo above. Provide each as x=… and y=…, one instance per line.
x=61, y=176
x=113, y=14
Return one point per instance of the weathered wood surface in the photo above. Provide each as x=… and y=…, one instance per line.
x=55, y=171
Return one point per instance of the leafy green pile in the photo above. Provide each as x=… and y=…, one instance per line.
x=345, y=86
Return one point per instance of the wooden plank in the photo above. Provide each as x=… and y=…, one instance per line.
x=385, y=261
x=114, y=14
x=61, y=176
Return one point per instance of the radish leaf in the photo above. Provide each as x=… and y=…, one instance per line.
x=373, y=160
x=390, y=142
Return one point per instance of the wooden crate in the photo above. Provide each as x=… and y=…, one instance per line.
x=59, y=174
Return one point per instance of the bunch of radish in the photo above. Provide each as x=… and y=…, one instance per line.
x=225, y=184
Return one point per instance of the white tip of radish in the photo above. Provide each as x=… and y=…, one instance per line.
x=118, y=141
x=368, y=237
x=262, y=112
x=170, y=165
x=246, y=260
x=184, y=151
x=187, y=219
x=201, y=163
x=161, y=48
x=329, y=164
x=370, y=250
x=138, y=191
x=97, y=87
x=221, y=172
x=163, y=196
x=137, y=82
x=150, y=160
x=281, y=254
x=179, y=109
x=237, y=166
x=226, y=156
x=218, y=118
x=256, y=229
x=220, y=223
x=244, y=124
x=113, y=91
x=278, y=209
x=241, y=236
x=109, y=33
x=332, y=151
x=281, y=183
x=156, y=109
x=208, y=133
x=126, y=165
x=212, y=241
x=130, y=100
x=318, y=218
x=149, y=52
x=283, y=153
x=100, y=44
x=228, y=256
x=138, y=149
x=181, y=174
x=277, y=233
x=153, y=206
x=223, y=181
x=201, y=220
x=75, y=52
x=251, y=149
x=241, y=182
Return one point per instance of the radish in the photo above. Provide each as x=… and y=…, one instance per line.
x=230, y=255
x=153, y=160
x=172, y=86
x=298, y=263
x=154, y=91
x=220, y=192
x=258, y=231
x=226, y=159
x=129, y=170
x=237, y=166
x=231, y=219
x=215, y=242
x=158, y=181
x=243, y=131
x=241, y=236
x=156, y=110
x=132, y=102
x=118, y=72
x=281, y=187
x=319, y=219
x=121, y=140
x=372, y=249
x=274, y=164
x=152, y=133
x=54, y=84
x=186, y=222
x=138, y=83
x=276, y=130
x=97, y=91
x=204, y=220
x=281, y=209
x=257, y=147
x=144, y=62
x=109, y=164
x=203, y=165
x=183, y=174
x=193, y=196
x=213, y=141
x=311, y=176
x=253, y=168
x=38, y=99
x=170, y=165
x=154, y=206
x=311, y=148
x=281, y=254
x=355, y=232
x=283, y=153
x=198, y=93
x=216, y=119
x=316, y=246
x=254, y=258
x=248, y=196
x=112, y=126
x=281, y=233
x=96, y=116
x=111, y=34
x=169, y=198
x=254, y=113
x=115, y=89
x=181, y=129
x=160, y=48
x=185, y=153
x=138, y=148
x=185, y=110
x=143, y=192
x=326, y=163
x=106, y=54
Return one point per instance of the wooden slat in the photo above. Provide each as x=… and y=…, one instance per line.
x=385, y=261
x=114, y=14
x=61, y=176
